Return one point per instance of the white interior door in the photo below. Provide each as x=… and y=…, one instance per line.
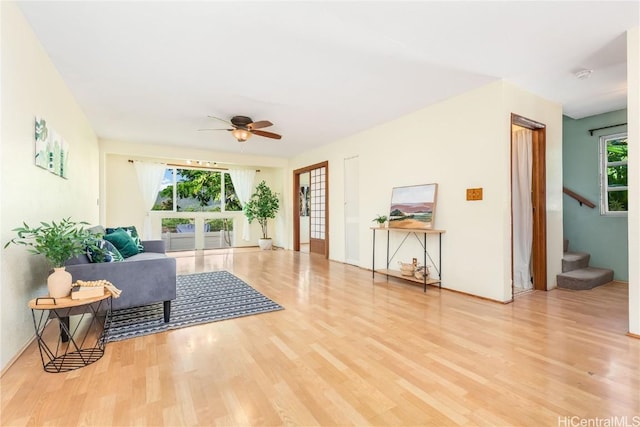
x=351, y=210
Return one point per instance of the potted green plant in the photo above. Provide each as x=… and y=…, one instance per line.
x=58, y=242
x=262, y=206
x=380, y=219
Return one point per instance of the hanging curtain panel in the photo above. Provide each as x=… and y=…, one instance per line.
x=149, y=180
x=522, y=208
x=243, y=183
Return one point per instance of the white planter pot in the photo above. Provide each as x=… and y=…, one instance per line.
x=265, y=244
x=59, y=283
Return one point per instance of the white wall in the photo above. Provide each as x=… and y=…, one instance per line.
x=460, y=143
x=633, y=118
x=32, y=86
x=121, y=198
x=335, y=154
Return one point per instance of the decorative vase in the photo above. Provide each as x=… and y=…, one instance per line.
x=59, y=283
x=265, y=244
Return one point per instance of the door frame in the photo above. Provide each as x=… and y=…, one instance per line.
x=296, y=213
x=538, y=200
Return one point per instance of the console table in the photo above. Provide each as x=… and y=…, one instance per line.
x=73, y=345
x=421, y=237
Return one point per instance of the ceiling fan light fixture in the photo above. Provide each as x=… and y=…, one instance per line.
x=241, y=134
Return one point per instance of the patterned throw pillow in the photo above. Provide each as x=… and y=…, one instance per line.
x=103, y=251
x=123, y=242
x=131, y=230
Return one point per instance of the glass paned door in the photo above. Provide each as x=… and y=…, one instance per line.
x=318, y=210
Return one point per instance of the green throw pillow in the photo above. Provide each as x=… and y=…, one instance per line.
x=103, y=251
x=123, y=242
x=131, y=229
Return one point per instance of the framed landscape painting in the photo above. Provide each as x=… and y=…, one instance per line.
x=413, y=206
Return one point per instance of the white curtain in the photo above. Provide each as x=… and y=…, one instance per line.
x=242, y=180
x=150, y=181
x=521, y=161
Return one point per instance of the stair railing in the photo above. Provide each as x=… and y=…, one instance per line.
x=579, y=198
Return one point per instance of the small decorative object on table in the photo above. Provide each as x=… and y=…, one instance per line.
x=422, y=272
x=407, y=269
x=380, y=219
x=82, y=292
x=94, y=288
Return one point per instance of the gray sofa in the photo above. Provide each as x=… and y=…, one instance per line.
x=145, y=278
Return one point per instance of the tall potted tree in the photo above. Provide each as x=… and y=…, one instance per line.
x=58, y=242
x=263, y=205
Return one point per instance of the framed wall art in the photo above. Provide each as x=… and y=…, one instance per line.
x=51, y=150
x=305, y=200
x=413, y=206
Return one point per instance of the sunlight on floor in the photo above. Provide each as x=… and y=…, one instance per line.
x=199, y=261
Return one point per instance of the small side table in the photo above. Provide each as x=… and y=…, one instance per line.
x=83, y=325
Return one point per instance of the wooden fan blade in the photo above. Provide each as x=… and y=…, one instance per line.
x=222, y=120
x=266, y=134
x=199, y=130
x=261, y=124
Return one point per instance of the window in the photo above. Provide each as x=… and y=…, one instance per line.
x=164, y=201
x=613, y=173
x=179, y=233
x=196, y=190
x=231, y=201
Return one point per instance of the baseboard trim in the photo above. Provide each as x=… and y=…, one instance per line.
x=17, y=355
x=434, y=286
x=636, y=336
x=475, y=296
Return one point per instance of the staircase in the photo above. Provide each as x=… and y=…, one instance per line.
x=576, y=273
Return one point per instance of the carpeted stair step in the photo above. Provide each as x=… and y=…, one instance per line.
x=584, y=278
x=574, y=261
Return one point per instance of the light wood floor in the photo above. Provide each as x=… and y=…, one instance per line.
x=348, y=350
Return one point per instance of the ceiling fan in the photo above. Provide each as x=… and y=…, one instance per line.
x=244, y=127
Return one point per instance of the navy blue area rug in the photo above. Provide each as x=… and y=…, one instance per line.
x=200, y=298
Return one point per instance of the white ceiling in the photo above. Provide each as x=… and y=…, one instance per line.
x=151, y=72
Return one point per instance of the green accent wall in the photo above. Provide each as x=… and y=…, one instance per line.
x=604, y=237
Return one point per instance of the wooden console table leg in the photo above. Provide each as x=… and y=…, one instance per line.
x=373, y=258
x=424, y=263
x=440, y=260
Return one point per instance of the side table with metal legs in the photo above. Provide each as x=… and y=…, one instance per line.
x=81, y=336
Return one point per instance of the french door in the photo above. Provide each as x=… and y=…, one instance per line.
x=318, y=208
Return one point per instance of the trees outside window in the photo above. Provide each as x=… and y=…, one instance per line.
x=613, y=174
x=231, y=201
x=196, y=190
